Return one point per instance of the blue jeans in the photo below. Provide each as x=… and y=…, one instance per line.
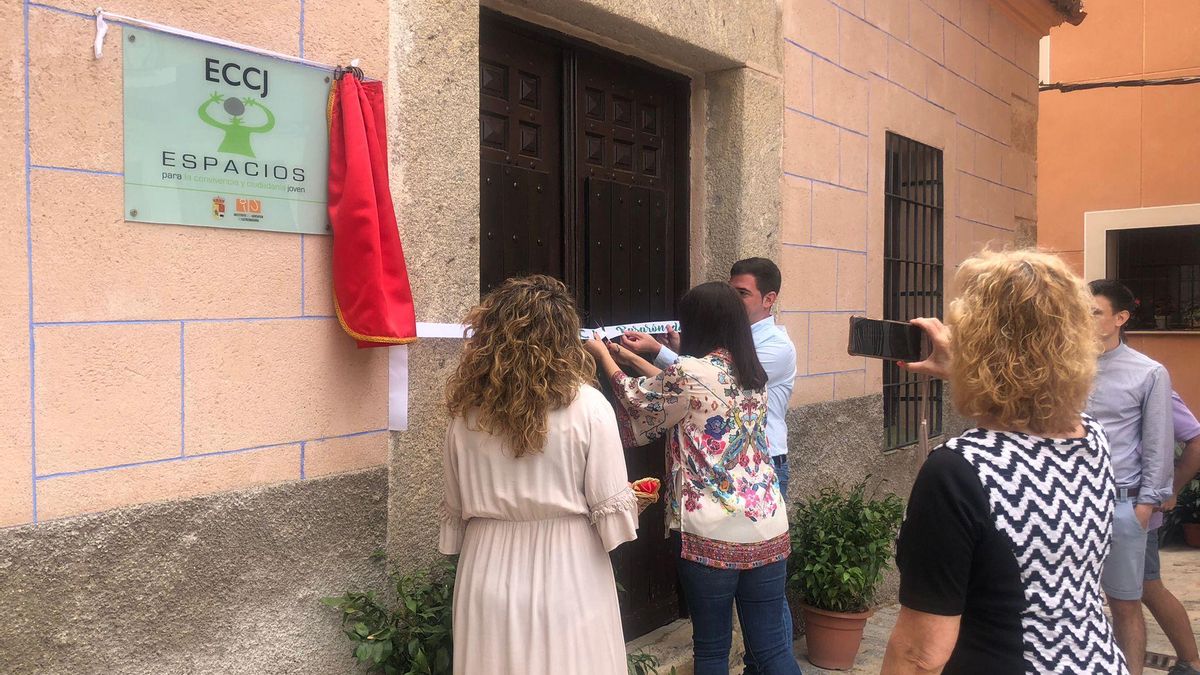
x=781, y=471
x=711, y=595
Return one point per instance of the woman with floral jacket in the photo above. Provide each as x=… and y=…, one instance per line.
x=727, y=519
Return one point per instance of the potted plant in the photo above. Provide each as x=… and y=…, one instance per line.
x=1191, y=317
x=841, y=544
x=1163, y=309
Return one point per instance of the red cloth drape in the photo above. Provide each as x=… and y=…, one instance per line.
x=372, y=296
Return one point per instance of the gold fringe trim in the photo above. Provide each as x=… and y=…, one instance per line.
x=367, y=338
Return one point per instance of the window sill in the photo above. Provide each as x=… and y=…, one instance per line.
x=1171, y=331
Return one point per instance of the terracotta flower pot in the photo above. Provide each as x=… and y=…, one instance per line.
x=1191, y=534
x=833, y=637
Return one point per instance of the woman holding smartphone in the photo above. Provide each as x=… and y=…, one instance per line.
x=1008, y=524
x=727, y=519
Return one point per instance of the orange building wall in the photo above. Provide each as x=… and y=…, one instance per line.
x=1123, y=148
x=1118, y=148
x=1178, y=353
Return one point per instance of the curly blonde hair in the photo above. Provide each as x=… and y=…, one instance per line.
x=523, y=360
x=1024, y=345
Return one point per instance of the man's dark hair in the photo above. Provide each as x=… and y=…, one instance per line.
x=766, y=273
x=711, y=316
x=1117, y=293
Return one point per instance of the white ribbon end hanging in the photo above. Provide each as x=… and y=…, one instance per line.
x=101, y=31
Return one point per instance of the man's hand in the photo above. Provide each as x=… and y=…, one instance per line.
x=1143, y=513
x=641, y=343
x=1169, y=504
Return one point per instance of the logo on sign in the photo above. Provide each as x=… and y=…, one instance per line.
x=237, y=133
x=249, y=206
x=218, y=208
x=248, y=210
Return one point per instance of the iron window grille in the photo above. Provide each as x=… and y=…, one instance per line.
x=913, y=254
x=1161, y=266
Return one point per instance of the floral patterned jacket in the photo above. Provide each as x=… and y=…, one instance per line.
x=721, y=491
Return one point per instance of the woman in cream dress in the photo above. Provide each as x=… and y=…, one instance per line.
x=535, y=494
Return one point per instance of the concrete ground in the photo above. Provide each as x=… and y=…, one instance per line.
x=1181, y=575
x=672, y=644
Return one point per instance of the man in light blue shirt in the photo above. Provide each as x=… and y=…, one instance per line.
x=758, y=281
x=1131, y=399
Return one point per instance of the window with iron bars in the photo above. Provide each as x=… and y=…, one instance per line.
x=912, y=276
x=1161, y=265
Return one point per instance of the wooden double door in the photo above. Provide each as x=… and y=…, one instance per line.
x=583, y=176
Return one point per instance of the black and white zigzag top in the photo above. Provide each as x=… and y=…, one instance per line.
x=1010, y=532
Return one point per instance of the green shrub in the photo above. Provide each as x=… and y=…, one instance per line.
x=412, y=637
x=841, y=544
x=641, y=663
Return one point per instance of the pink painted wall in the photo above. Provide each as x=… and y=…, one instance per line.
x=149, y=362
x=957, y=75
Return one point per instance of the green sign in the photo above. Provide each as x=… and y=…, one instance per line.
x=221, y=137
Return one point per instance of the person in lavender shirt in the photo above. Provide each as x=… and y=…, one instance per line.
x=1162, y=603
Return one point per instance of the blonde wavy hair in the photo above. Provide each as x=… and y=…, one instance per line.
x=1024, y=345
x=523, y=360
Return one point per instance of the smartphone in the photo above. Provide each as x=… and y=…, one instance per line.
x=888, y=340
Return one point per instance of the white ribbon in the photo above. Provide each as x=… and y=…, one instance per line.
x=398, y=358
x=459, y=331
x=101, y=31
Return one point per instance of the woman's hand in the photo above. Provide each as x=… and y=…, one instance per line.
x=596, y=347
x=621, y=355
x=603, y=353
x=937, y=364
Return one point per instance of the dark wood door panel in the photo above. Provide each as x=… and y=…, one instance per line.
x=520, y=149
x=583, y=176
x=520, y=233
